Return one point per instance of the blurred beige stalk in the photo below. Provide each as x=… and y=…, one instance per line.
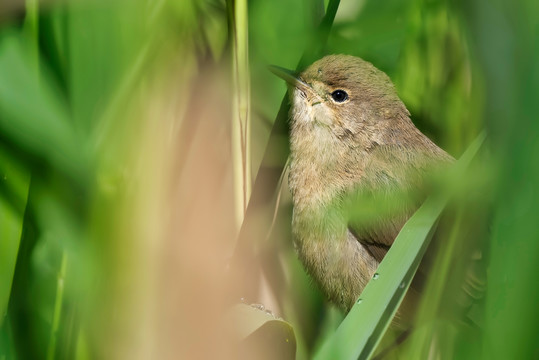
x=178, y=222
x=192, y=207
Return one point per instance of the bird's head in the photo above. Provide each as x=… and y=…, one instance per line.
x=344, y=96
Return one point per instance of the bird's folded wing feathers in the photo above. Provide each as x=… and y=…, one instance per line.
x=388, y=195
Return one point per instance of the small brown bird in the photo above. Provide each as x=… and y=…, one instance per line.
x=358, y=165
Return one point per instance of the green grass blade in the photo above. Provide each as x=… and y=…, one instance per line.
x=31, y=26
x=363, y=328
x=14, y=184
x=51, y=351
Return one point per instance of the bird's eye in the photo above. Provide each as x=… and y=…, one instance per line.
x=339, y=95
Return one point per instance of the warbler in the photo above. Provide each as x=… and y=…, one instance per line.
x=358, y=169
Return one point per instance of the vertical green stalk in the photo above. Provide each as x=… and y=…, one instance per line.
x=31, y=27
x=241, y=106
x=57, y=308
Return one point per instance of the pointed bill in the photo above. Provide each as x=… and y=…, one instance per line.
x=291, y=77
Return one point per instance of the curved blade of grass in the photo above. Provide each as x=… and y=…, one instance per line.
x=246, y=319
x=363, y=328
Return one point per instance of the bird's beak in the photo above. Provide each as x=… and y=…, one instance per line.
x=291, y=77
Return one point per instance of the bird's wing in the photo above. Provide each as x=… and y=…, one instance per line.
x=376, y=237
x=391, y=189
x=376, y=250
